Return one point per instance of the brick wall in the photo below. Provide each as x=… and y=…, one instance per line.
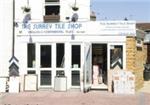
x=136, y=58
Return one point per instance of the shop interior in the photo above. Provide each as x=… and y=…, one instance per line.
x=99, y=64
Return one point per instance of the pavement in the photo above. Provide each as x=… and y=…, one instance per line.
x=142, y=97
x=146, y=87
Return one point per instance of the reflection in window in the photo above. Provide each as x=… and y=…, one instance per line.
x=31, y=55
x=76, y=56
x=60, y=55
x=45, y=78
x=45, y=55
x=116, y=57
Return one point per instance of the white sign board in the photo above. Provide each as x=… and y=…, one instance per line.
x=60, y=84
x=78, y=28
x=30, y=82
x=14, y=85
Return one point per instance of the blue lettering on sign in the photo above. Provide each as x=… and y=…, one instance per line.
x=26, y=26
x=42, y=26
x=60, y=26
x=53, y=27
x=74, y=26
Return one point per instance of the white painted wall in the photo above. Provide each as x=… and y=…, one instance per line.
x=83, y=12
x=37, y=7
x=38, y=11
x=5, y=35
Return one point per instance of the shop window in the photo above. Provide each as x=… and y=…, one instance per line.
x=60, y=59
x=116, y=57
x=45, y=55
x=31, y=55
x=45, y=78
x=76, y=56
x=75, y=78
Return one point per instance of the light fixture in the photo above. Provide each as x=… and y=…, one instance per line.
x=75, y=8
x=74, y=17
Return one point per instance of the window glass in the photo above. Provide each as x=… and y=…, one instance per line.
x=31, y=72
x=76, y=56
x=116, y=57
x=60, y=59
x=60, y=73
x=31, y=55
x=45, y=56
x=52, y=10
x=75, y=78
x=45, y=78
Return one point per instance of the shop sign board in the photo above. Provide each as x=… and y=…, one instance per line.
x=78, y=28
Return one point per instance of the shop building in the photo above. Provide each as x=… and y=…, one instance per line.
x=58, y=48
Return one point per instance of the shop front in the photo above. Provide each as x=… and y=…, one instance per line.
x=68, y=56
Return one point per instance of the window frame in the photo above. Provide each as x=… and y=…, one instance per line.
x=124, y=54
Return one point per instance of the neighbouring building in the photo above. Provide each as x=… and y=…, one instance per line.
x=146, y=28
x=55, y=45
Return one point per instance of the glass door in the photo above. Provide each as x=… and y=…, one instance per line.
x=87, y=67
x=116, y=60
x=45, y=65
x=60, y=59
x=116, y=57
x=75, y=65
x=31, y=58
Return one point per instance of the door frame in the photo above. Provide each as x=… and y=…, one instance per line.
x=124, y=54
x=87, y=75
x=81, y=64
x=39, y=68
x=109, y=70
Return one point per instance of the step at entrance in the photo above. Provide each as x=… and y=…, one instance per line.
x=100, y=86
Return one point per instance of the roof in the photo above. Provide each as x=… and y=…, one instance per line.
x=143, y=26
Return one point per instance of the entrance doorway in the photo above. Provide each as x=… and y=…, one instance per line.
x=99, y=66
x=45, y=66
x=75, y=65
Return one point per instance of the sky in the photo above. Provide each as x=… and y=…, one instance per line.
x=138, y=10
